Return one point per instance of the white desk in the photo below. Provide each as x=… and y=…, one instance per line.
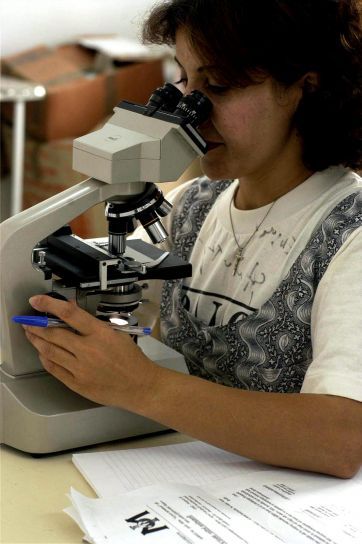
x=33, y=492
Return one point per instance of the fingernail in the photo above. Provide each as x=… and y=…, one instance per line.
x=34, y=301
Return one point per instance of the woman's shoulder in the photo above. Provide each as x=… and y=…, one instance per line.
x=176, y=194
x=197, y=190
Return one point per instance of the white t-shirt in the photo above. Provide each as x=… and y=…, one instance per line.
x=215, y=295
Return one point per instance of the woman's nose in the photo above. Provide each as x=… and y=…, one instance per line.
x=191, y=86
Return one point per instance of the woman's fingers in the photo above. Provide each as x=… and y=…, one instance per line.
x=63, y=338
x=52, y=352
x=59, y=372
x=67, y=311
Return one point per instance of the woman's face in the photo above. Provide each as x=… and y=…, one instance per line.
x=249, y=129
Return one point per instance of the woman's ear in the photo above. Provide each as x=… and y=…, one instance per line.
x=306, y=85
x=309, y=83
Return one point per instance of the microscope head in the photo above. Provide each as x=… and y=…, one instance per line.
x=155, y=142
x=151, y=143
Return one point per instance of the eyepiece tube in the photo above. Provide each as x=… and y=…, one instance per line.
x=163, y=98
x=194, y=107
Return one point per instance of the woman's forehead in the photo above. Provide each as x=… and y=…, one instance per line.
x=186, y=52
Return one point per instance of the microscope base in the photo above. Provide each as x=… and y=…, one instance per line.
x=40, y=415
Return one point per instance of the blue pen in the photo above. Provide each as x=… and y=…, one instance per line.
x=44, y=321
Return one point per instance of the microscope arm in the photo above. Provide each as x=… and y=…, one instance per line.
x=19, y=279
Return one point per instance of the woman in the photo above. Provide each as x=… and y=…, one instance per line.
x=269, y=323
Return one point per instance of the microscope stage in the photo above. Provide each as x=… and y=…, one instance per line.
x=77, y=262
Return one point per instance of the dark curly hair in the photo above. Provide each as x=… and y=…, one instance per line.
x=285, y=39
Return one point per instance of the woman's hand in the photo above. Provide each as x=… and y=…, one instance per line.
x=320, y=433
x=99, y=363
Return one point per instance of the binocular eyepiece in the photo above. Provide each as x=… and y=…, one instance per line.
x=194, y=108
x=164, y=98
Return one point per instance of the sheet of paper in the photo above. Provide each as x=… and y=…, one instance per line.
x=265, y=506
x=308, y=507
x=195, y=463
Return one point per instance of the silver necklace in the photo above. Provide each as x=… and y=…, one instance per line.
x=240, y=251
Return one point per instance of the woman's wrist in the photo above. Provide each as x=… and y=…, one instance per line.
x=147, y=382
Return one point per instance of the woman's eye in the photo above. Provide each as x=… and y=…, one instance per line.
x=181, y=81
x=208, y=87
x=217, y=89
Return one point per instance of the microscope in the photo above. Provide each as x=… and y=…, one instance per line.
x=138, y=146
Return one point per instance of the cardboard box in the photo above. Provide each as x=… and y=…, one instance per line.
x=77, y=99
x=48, y=171
x=42, y=65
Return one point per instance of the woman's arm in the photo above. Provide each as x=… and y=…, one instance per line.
x=313, y=432
x=320, y=433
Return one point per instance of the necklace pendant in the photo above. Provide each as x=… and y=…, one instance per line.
x=238, y=256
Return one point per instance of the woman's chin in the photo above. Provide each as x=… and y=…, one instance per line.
x=213, y=168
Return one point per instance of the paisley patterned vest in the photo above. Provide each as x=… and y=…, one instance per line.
x=270, y=349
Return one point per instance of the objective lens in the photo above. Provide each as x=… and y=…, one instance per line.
x=194, y=107
x=156, y=232
x=152, y=224
x=116, y=244
x=164, y=209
